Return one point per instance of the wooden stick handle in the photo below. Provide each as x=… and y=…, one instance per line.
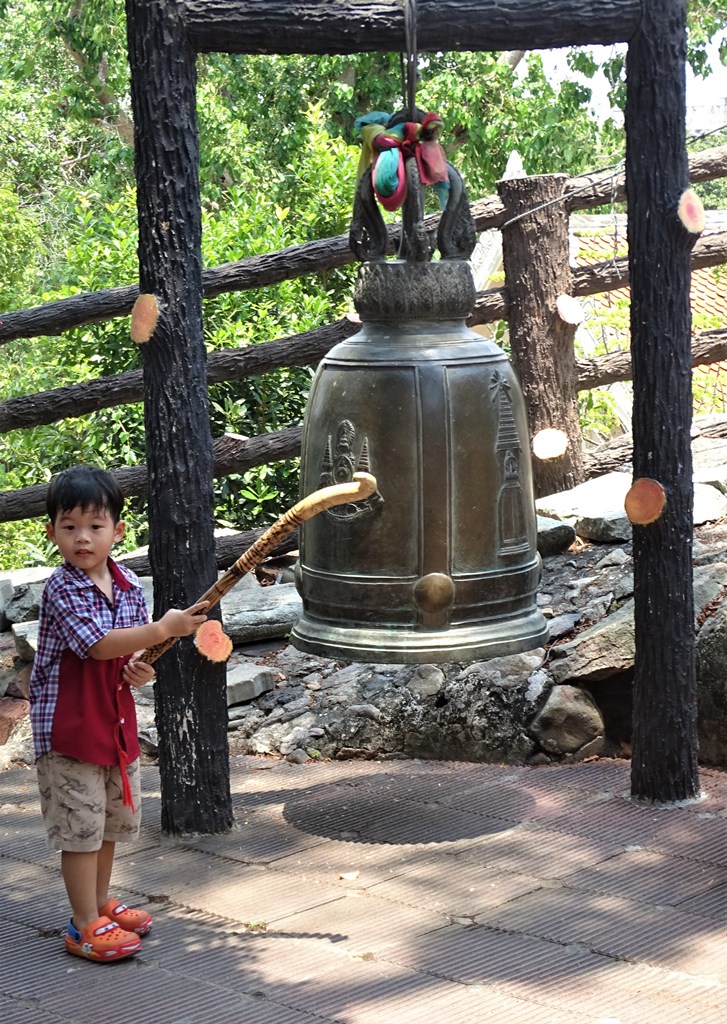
x=361, y=487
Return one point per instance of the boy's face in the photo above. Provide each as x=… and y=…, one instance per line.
x=85, y=536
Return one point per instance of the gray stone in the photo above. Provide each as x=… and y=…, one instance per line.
x=602, y=650
x=24, y=606
x=709, y=504
x=297, y=756
x=537, y=683
x=569, y=720
x=18, y=749
x=611, y=528
x=709, y=581
x=624, y=587
x=427, y=680
x=147, y=585
x=607, y=647
x=26, y=639
x=249, y=615
x=593, y=499
x=149, y=742
x=245, y=682
x=603, y=499
x=6, y=595
x=713, y=476
x=365, y=711
x=593, y=749
x=553, y=535
x=616, y=557
x=506, y=671
x=712, y=688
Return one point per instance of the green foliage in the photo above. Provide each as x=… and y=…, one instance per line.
x=597, y=413
x=278, y=163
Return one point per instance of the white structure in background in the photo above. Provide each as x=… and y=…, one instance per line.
x=486, y=258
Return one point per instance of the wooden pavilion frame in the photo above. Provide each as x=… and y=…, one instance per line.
x=164, y=37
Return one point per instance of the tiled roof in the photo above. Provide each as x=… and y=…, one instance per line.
x=595, y=239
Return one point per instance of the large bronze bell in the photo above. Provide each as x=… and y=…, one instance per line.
x=441, y=563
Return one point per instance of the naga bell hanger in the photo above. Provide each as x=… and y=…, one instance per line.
x=410, y=138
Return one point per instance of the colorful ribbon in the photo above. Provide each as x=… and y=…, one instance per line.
x=386, y=147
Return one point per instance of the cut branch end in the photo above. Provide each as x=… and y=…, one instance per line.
x=691, y=212
x=570, y=309
x=144, y=317
x=211, y=642
x=645, y=501
x=550, y=444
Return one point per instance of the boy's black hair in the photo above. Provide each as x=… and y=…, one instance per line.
x=86, y=486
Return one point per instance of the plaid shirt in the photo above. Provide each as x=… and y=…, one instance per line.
x=74, y=615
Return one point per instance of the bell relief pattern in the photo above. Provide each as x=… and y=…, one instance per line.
x=511, y=517
x=338, y=466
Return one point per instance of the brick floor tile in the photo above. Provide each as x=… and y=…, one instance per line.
x=649, y=877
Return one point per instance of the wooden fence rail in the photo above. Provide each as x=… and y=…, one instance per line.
x=235, y=454
x=582, y=193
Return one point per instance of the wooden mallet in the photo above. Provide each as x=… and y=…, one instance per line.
x=362, y=486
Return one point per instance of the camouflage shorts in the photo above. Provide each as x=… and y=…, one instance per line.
x=82, y=804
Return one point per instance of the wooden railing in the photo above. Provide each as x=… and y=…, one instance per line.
x=233, y=454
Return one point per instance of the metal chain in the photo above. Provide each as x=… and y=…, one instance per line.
x=410, y=39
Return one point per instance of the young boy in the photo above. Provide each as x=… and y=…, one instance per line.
x=93, y=620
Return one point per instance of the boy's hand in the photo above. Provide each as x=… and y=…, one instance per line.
x=137, y=673
x=178, y=622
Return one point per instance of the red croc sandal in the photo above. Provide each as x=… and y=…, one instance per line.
x=130, y=920
x=101, y=940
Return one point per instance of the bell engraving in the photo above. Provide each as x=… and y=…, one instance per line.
x=511, y=513
x=339, y=465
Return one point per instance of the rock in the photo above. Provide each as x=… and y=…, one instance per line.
x=24, y=606
x=426, y=681
x=569, y=720
x=506, y=671
x=616, y=557
x=19, y=685
x=149, y=742
x=265, y=612
x=610, y=528
x=714, y=476
x=12, y=711
x=602, y=650
x=595, y=508
x=26, y=639
x=712, y=688
x=365, y=711
x=6, y=595
x=537, y=683
x=19, y=747
x=553, y=535
x=591, y=500
x=709, y=504
x=297, y=756
x=245, y=682
x=607, y=648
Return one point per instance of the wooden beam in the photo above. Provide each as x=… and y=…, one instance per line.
x=361, y=26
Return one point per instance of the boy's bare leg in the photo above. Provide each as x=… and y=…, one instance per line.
x=104, y=865
x=79, y=872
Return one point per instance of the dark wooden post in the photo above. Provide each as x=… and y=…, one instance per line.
x=664, y=759
x=537, y=274
x=190, y=691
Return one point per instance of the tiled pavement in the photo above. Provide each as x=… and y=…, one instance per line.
x=390, y=893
